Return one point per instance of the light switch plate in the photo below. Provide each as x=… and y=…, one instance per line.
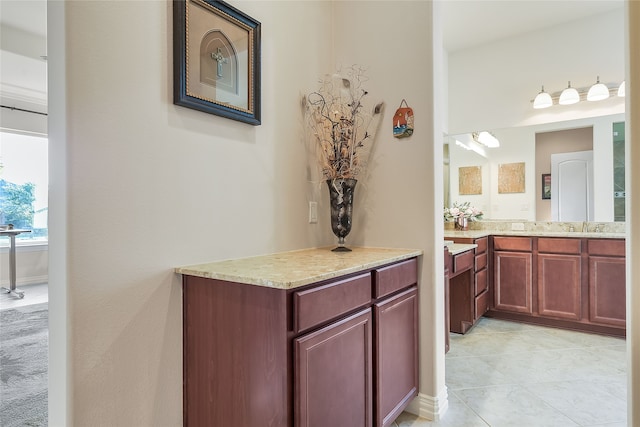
x=313, y=212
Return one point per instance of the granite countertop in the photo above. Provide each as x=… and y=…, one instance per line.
x=458, y=248
x=475, y=234
x=288, y=270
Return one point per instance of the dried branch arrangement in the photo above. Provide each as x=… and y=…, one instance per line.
x=341, y=128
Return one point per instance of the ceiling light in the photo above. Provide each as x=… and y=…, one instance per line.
x=598, y=91
x=621, y=89
x=463, y=145
x=569, y=96
x=486, y=138
x=543, y=100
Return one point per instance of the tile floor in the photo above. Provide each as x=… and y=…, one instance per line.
x=507, y=374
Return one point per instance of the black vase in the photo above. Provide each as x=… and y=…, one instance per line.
x=341, y=198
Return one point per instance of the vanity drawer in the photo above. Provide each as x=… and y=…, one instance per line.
x=611, y=247
x=388, y=280
x=481, y=282
x=481, y=304
x=559, y=246
x=463, y=261
x=482, y=245
x=317, y=305
x=512, y=244
x=481, y=261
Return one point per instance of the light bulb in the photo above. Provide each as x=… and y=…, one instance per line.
x=598, y=91
x=543, y=100
x=569, y=96
x=622, y=89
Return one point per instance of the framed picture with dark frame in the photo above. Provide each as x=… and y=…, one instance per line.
x=546, y=186
x=216, y=60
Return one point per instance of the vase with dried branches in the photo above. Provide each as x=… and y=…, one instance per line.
x=341, y=132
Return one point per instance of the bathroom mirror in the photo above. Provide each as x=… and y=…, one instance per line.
x=490, y=178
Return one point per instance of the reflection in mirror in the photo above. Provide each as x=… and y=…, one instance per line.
x=485, y=176
x=619, y=194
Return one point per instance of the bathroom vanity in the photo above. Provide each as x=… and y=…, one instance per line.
x=303, y=338
x=569, y=280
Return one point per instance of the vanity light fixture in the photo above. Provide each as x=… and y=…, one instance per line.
x=486, y=138
x=598, y=91
x=543, y=100
x=569, y=96
x=470, y=145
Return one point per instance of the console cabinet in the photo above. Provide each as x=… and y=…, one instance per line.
x=341, y=352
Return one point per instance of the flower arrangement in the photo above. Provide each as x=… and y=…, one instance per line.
x=341, y=130
x=464, y=210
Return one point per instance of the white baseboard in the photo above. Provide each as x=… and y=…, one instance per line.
x=430, y=407
x=25, y=281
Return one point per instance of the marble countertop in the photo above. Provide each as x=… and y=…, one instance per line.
x=475, y=234
x=288, y=270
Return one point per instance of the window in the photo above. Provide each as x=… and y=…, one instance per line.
x=24, y=184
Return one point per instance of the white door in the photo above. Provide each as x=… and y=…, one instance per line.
x=572, y=186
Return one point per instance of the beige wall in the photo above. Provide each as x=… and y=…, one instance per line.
x=403, y=194
x=139, y=186
x=548, y=143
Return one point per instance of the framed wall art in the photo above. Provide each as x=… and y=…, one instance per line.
x=470, y=180
x=216, y=59
x=546, y=186
x=511, y=178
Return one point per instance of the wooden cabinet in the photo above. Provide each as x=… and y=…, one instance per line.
x=330, y=365
x=396, y=340
x=481, y=278
x=342, y=352
x=513, y=281
x=468, y=286
x=577, y=283
x=559, y=278
x=607, y=278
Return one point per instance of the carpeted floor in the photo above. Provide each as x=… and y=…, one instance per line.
x=24, y=340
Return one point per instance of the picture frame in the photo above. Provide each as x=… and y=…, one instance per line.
x=546, y=186
x=216, y=60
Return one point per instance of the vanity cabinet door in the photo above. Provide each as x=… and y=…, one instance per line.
x=513, y=277
x=559, y=286
x=607, y=291
x=396, y=355
x=333, y=374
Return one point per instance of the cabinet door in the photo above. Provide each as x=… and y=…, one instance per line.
x=332, y=371
x=559, y=286
x=396, y=351
x=607, y=293
x=513, y=278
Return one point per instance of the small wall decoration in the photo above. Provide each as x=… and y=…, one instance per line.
x=216, y=59
x=403, y=121
x=546, y=186
x=470, y=180
x=511, y=178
